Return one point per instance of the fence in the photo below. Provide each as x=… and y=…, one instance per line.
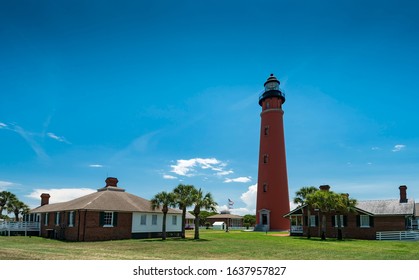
x=23, y=227
x=397, y=235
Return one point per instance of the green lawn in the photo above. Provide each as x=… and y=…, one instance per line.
x=213, y=245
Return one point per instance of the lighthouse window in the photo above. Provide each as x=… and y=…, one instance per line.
x=265, y=187
x=266, y=130
x=267, y=105
x=265, y=158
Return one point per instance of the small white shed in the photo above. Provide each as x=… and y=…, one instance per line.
x=218, y=225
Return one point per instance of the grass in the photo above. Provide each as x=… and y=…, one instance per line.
x=213, y=245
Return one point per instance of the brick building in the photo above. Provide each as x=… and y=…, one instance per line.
x=370, y=217
x=108, y=214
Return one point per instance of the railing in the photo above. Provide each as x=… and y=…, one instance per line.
x=296, y=229
x=263, y=95
x=19, y=226
x=397, y=235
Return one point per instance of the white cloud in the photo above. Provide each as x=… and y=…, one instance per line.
x=398, y=148
x=3, y=125
x=249, y=199
x=4, y=185
x=224, y=173
x=169, y=177
x=187, y=167
x=96, y=165
x=61, y=195
x=58, y=138
x=238, y=180
x=375, y=148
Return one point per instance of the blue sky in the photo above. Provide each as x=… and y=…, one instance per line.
x=158, y=93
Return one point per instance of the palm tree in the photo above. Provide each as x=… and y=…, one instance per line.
x=201, y=201
x=301, y=199
x=327, y=201
x=183, y=200
x=163, y=200
x=5, y=198
x=344, y=204
x=17, y=207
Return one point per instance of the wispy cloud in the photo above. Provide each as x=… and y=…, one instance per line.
x=29, y=138
x=32, y=138
x=169, y=177
x=4, y=185
x=398, y=148
x=238, y=180
x=224, y=173
x=58, y=138
x=96, y=165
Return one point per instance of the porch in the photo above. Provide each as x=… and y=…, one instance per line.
x=19, y=228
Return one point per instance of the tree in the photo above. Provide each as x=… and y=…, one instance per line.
x=5, y=198
x=201, y=201
x=301, y=199
x=163, y=200
x=249, y=220
x=203, y=215
x=17, y=207
x=344, y=205
x=327, y=202
x=183, y=199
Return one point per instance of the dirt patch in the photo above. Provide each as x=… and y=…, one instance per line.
x=279, y=234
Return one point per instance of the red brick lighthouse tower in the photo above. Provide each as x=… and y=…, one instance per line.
x=272, y=192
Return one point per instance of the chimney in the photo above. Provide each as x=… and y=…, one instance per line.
x=111, y=182
x=324, y=188
x=403, y=195
x=45, y=199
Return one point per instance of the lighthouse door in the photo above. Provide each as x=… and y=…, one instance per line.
x=264, y=219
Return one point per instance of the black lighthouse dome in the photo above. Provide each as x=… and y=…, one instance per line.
x=272, y=90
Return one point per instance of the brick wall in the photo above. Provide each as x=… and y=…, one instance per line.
x=86, y=227
x=353, y=230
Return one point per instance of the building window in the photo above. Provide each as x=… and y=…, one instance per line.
x=266, y=130
x=313, y=221
x=268, y=105
x=107, y=219
x=71, y=219
x=336, y=221
x=46, y=219
x=265, y=187
x=174, y=220
x=154, y=220
x=57, y=218
x=265, y=158
x=364, y=221
x=143, y=219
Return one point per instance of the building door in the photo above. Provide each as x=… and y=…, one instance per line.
x=264, y=219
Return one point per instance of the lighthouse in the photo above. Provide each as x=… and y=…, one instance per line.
x=272, y=201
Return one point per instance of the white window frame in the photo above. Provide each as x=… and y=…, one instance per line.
x=154, y=220
x=337, y=222
x=46, y=219
x=364, y=221
x=174, y=220
x=108, y=221
x=143, y=219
